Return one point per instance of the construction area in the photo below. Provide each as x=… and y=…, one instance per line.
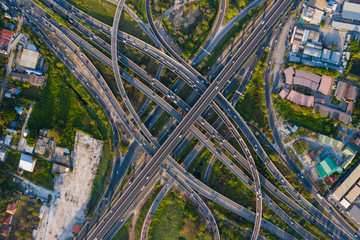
x=74, y=189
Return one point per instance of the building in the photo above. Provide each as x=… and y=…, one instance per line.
x=319, y=4
x=346, y=92
x=42, y=145
x=29, y=58
x=2, y=155
x=330, y=56
x=307, y=83
x=5, y=230
x=312, y=52
x=7, y=219
x=301, y=99
x=5, y=38
x=11, y=208
x=355, y=140
x=333, y=113
x=312, y=15
x=326, y=85
x=354, y=212
x=327, y=166
x=61, y=155
x=345, y=25
x=349, y=153
x=351, y=11
x=27, y=163
x=330, y=141
x=33, y=79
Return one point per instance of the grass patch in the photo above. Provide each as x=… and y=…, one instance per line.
x=185, y=92
x=148, y=110
x=187, y=150
x=123, y=233
x=128, y=25
x=102, y=173
x=139, y=8
x=198, y=167
x=160, y=124
x=100, y=9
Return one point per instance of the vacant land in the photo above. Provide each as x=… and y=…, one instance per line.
x=198, y=167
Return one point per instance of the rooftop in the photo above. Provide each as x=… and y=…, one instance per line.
x=26, y=163
x=327, y=166
x=351, y=11
x=29, y=58
x=11, y=208
x=326, y=85
x=301, y=99
x=330, y=141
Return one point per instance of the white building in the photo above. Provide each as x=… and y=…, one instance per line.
x=2, y=155
x=26, y=163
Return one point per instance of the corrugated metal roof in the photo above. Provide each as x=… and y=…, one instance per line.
x=325, y=85
x=347, y=184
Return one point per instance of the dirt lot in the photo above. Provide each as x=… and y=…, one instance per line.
x=74, y=190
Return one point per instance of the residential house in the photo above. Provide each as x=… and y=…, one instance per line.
x=27, y=163
x=11, y=208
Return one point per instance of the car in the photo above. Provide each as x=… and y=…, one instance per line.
x=122, y=220
x=117, y=172
x=180, y=136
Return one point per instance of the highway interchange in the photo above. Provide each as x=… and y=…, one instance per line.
x=209, y=93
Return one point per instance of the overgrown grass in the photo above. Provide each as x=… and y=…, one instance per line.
x=139, y=8
x=198, y=167
x=41, y=175
x=187, y=150
x=233, y=7
x=304, y=117
x=123, y=233
x=102, y=173
x=300, y=146
x=65, y=105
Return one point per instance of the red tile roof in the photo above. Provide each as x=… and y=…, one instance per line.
x=5, y=230
x=7, y=219
x=6, y=34
x=11, y=208
x=76, y=229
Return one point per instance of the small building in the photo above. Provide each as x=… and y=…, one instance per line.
x=32, y=78
x=2, y=155
x=7, y=219
x=346, y=92
x=11, y=131
x=8, y=94
x=349, y=153
x=19, y=110
x=42, y=145
x=27, y=163
x=29, y=58
x=56, y=168
x=355, y=140
x=327, y=166
x=6, y=34
x=7, y=139
x=76, y=229
x=319, y=4
x=11, y=208
x=312, y=52
x=330, y=141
